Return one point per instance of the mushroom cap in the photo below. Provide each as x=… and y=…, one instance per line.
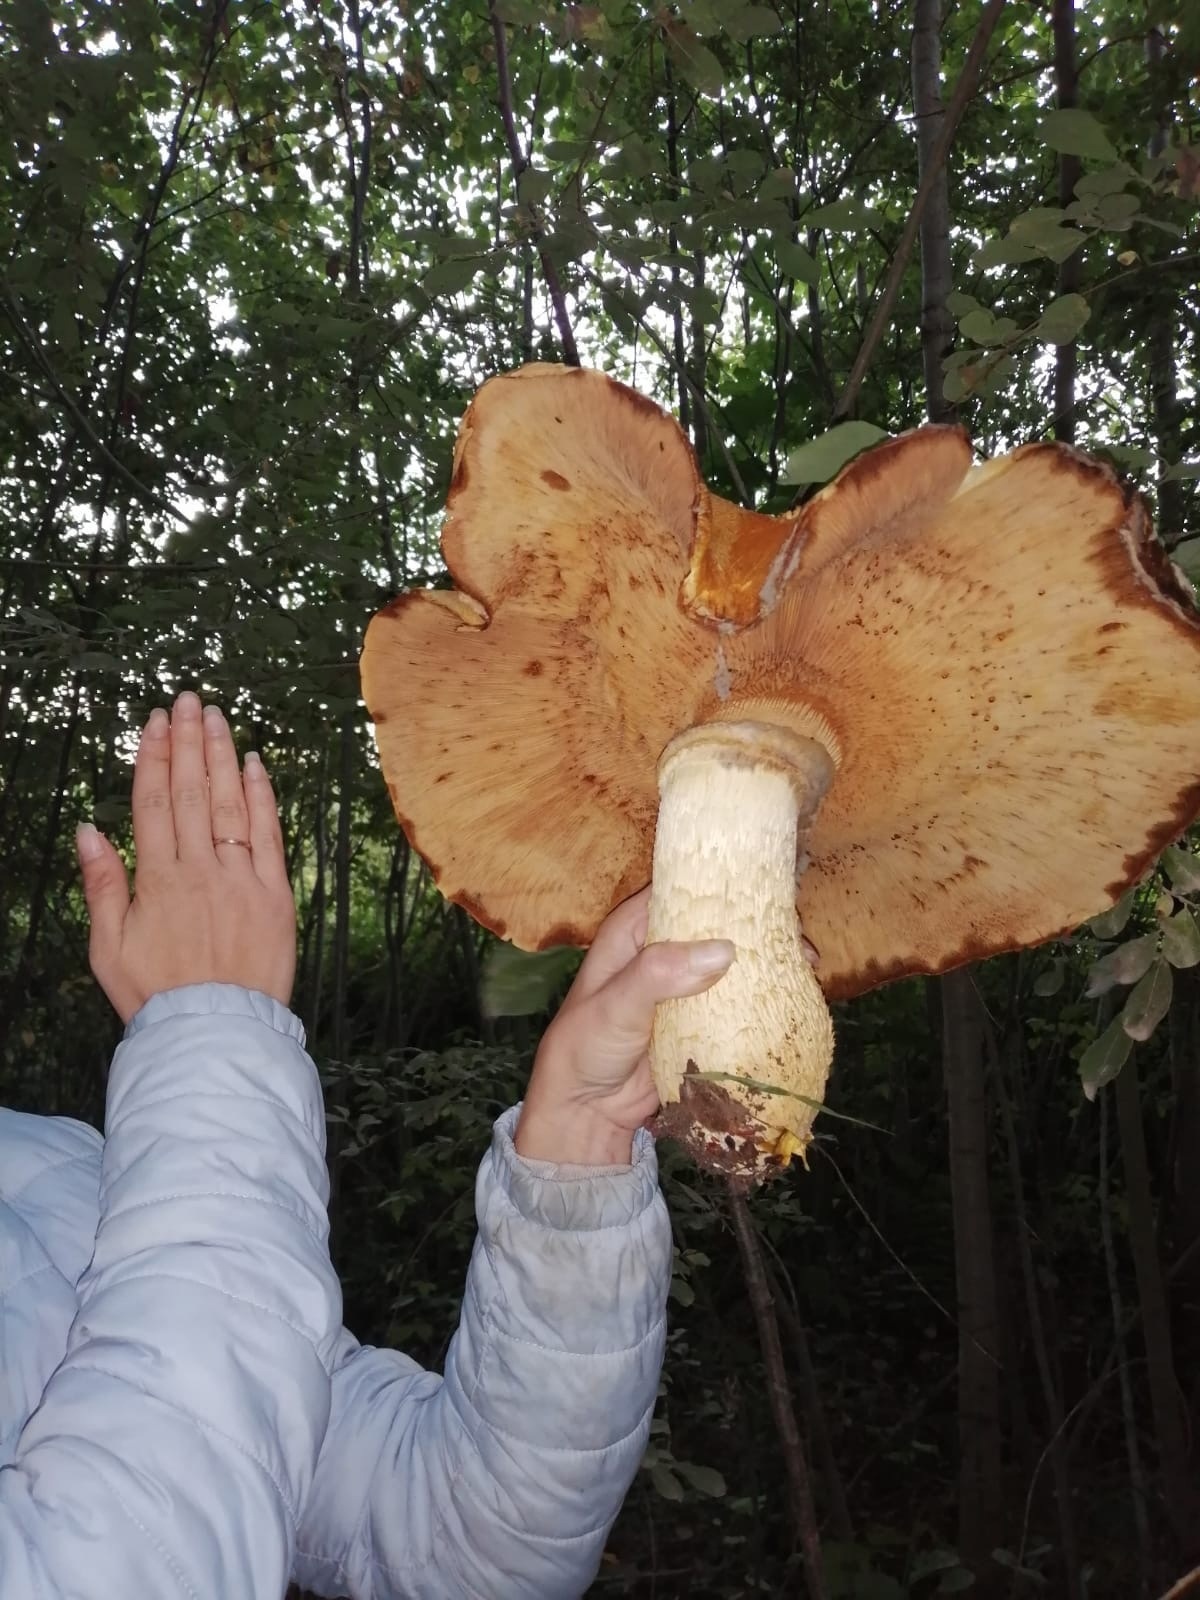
x=1001, y=660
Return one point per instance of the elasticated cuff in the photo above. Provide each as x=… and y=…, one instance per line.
x=573, y=1198
x=217, y=999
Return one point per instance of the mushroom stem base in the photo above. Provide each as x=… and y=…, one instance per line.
x=741, y=1069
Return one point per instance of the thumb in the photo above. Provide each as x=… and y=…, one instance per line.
x=666, y=971
x=105, y=887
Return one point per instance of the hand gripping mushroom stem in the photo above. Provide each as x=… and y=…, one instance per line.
x=740, y=1069
x=965, y=698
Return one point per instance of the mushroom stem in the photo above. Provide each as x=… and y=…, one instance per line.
x=741, y=1069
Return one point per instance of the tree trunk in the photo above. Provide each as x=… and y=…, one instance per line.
x=1051, y=1393
x=1165, y=404
x=779, y=1392
x=1066, y=361
x=937, y=325
x=1133, y=1455
x=981, y=1489
x=341, y=891
x=1179, y=1492
x=980, y=1477
x=1182, y=1230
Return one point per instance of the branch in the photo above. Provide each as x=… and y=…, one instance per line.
x=937, y=160
x=799, y=1480
x=185, y=121
x=702, y=408
x=29, y=343
x=520, y=164
x=360, y=171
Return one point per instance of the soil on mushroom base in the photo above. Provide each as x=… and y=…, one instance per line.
x=732, y=1149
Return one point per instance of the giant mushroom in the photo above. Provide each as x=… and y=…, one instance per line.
x=941, y=711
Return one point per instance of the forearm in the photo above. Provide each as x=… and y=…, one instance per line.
x=178, y=1437
x=505, y=1478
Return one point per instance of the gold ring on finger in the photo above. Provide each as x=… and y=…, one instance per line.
x=244, y=843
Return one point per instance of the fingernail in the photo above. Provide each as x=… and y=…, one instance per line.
x=213, y=718
x=88, y=842
x=157, y=724
x=254, y=766
x=188, y=704
x=711, y=956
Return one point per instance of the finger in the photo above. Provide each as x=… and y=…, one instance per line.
x=228, y=817
x=618, y=939
x=266, y=836
x=106, y=890
x=153, y=824
x=189, y=781
x=624, y=1008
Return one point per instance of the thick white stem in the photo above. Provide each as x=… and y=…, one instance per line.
x=735, y=801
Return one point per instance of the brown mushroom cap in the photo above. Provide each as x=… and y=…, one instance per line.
x=1001, y=661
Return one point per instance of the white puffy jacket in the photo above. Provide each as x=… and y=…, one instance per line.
x=162, y=1409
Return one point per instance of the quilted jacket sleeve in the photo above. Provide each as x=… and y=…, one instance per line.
x=501, y=1481
x=177, y=1439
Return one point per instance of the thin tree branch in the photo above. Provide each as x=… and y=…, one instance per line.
x=520, y=164
x=782, y=1409
x=29, y=342
x=963, y=91
x=703, y=408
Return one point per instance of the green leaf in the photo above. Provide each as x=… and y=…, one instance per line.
x=449, y=277
x=706, y=1479
x=795, y=260
x=1041, y=228
x=665, y=1481
x=753, y=22
x=959, y=304
x=1117, y=210
x=1051, y=981
x=778, y=184
x=1182, y=867
x=1130, y=456
x=1104, y=1058
x=1181, y=471
x=1181, y=939
x=1077, y=133
x=819, y=459
x=705, y=16
x=1062, y=319
x=1000, y=252
x=933, y=1561
x=453, y=246
x=981, y=327
x=1125, y=964
x=1039, y=222
x=957, y=1581
x=1112, y=922
x=534, y=184
x=521, y=983
x=1060, y=244
x=842, y=216
x=1148, y=1004
x=1187, y=556
x=695, y=61
x=1104, y=180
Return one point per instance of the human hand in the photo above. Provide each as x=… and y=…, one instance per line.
x=591, y=1086
x=204, y=909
